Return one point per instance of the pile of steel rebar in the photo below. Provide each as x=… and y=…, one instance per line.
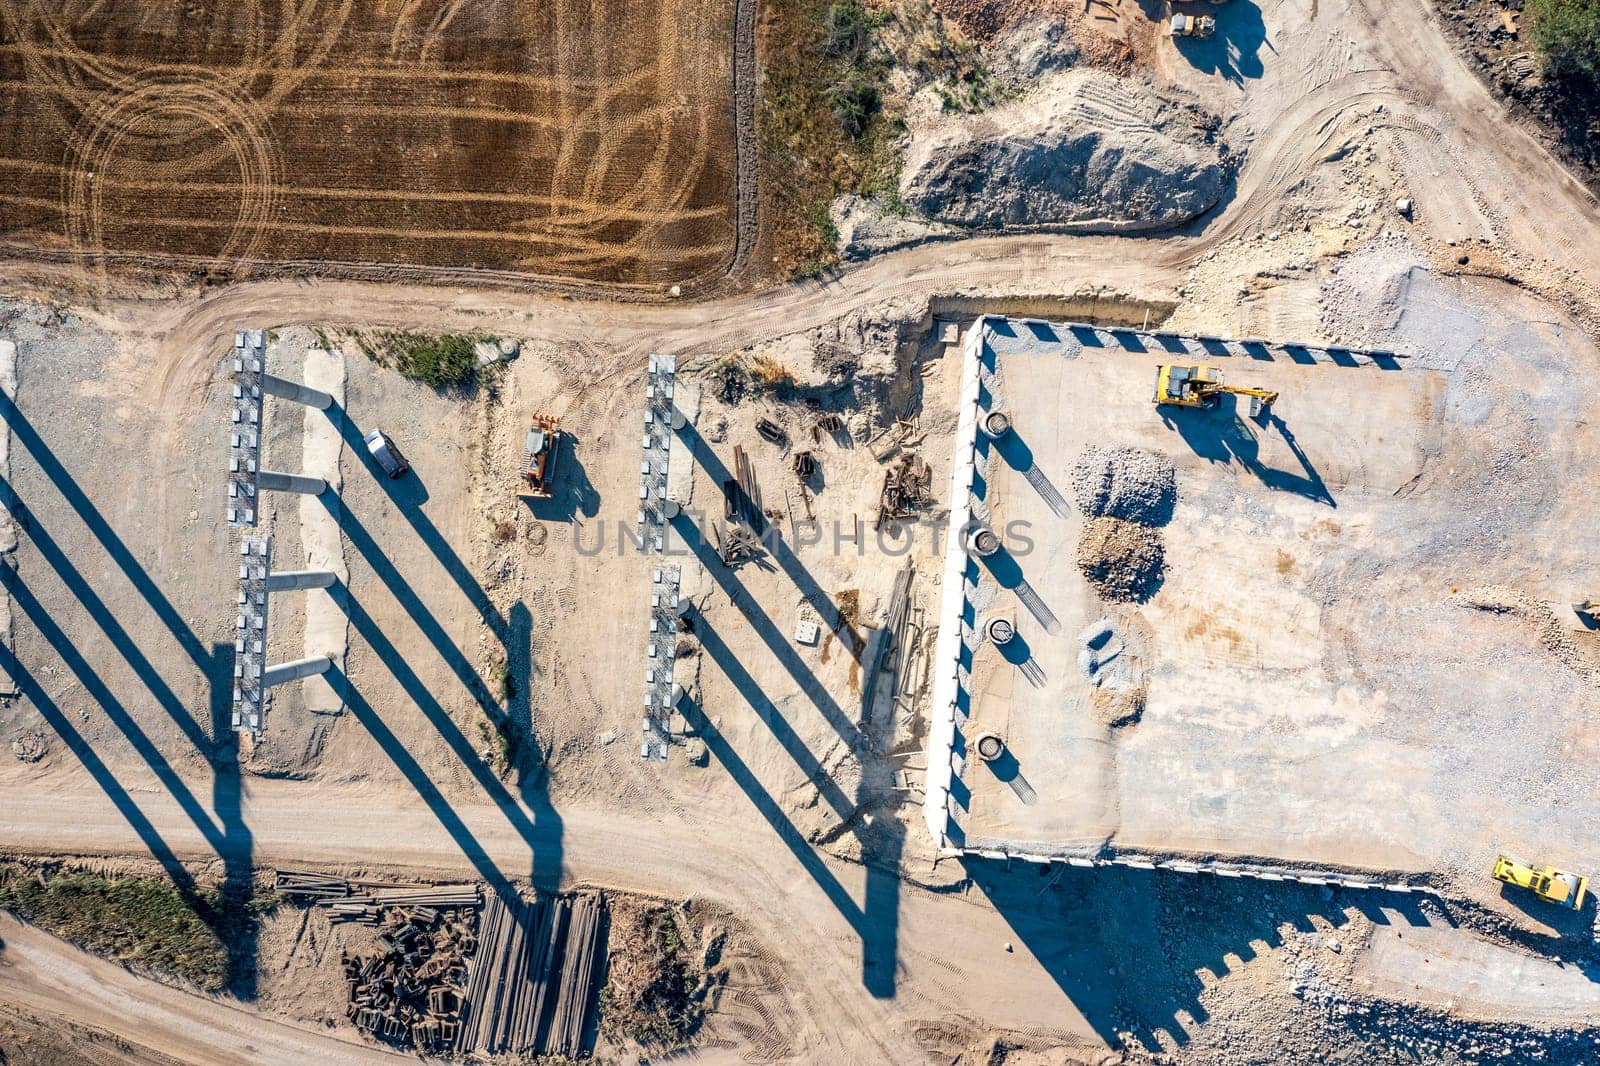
x=365, y=901
x=535, y=979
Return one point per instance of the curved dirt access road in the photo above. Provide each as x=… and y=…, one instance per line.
x=808, y=907
x=51, y=979
x=1470, y=160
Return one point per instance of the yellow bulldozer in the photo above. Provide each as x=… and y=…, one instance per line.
x=539, y=451
x=1549, y=884
x=1202, y=386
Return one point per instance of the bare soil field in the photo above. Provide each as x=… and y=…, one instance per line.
x=585, y=139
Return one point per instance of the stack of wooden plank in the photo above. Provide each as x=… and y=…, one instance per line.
x=309, y=885
x=532, y=986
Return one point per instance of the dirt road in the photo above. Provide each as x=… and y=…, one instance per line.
x=53, y=980
x=806, y=901
x=1421, y=93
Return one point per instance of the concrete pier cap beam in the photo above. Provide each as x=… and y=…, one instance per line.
x=299, y=580
x=295, y=670
x=274, y=481
x=298, y=393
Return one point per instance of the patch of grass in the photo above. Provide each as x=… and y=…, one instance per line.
x=500, y=682
x=499, y=735
x=649, y=995
x=826, y=122
x=1567, y=34
x=142, y=921
x=444, y=361
x=935, y=50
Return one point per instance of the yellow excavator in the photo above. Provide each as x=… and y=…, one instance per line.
x=1549, y=884
x=1201, y=386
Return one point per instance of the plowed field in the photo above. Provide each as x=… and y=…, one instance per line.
x=586, y=139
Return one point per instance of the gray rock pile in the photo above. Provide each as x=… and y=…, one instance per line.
x=1087, y=150
x=1126, y=483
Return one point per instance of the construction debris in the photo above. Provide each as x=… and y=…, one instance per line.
x=906, y=489
x=771, y=431
x=748, y=502
x=522, y=980
x=804, y=465
x=905, y=433
x=739, y=542
x=829, y=423
x=409, y=992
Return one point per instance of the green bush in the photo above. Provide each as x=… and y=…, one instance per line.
x=1567, y=33
x=447, y=361
x=855, y=101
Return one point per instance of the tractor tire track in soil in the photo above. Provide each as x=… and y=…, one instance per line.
x=433, y=139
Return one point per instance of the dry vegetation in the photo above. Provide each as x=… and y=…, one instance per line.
x=146, y=922
x=838, y=79
x=650, y=995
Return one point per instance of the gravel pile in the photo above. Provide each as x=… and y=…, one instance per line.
x=1124, y=561
x=1125, y=483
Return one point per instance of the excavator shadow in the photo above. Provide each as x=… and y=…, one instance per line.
x=1222, y=434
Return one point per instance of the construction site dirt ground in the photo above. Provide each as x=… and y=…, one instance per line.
x=1337, y=659
x=437, y=593
x=121, y=619
x=585, y=140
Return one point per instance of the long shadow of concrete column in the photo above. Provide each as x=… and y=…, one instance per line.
x=875, y=923
x=543, y=836
x=29, y=689
x=237, y=916
x=120, y=638
x=422, y=525
x=713, y=644
x=357, y=536
x=766, y=630
x=70, y=491
x=101, y=693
